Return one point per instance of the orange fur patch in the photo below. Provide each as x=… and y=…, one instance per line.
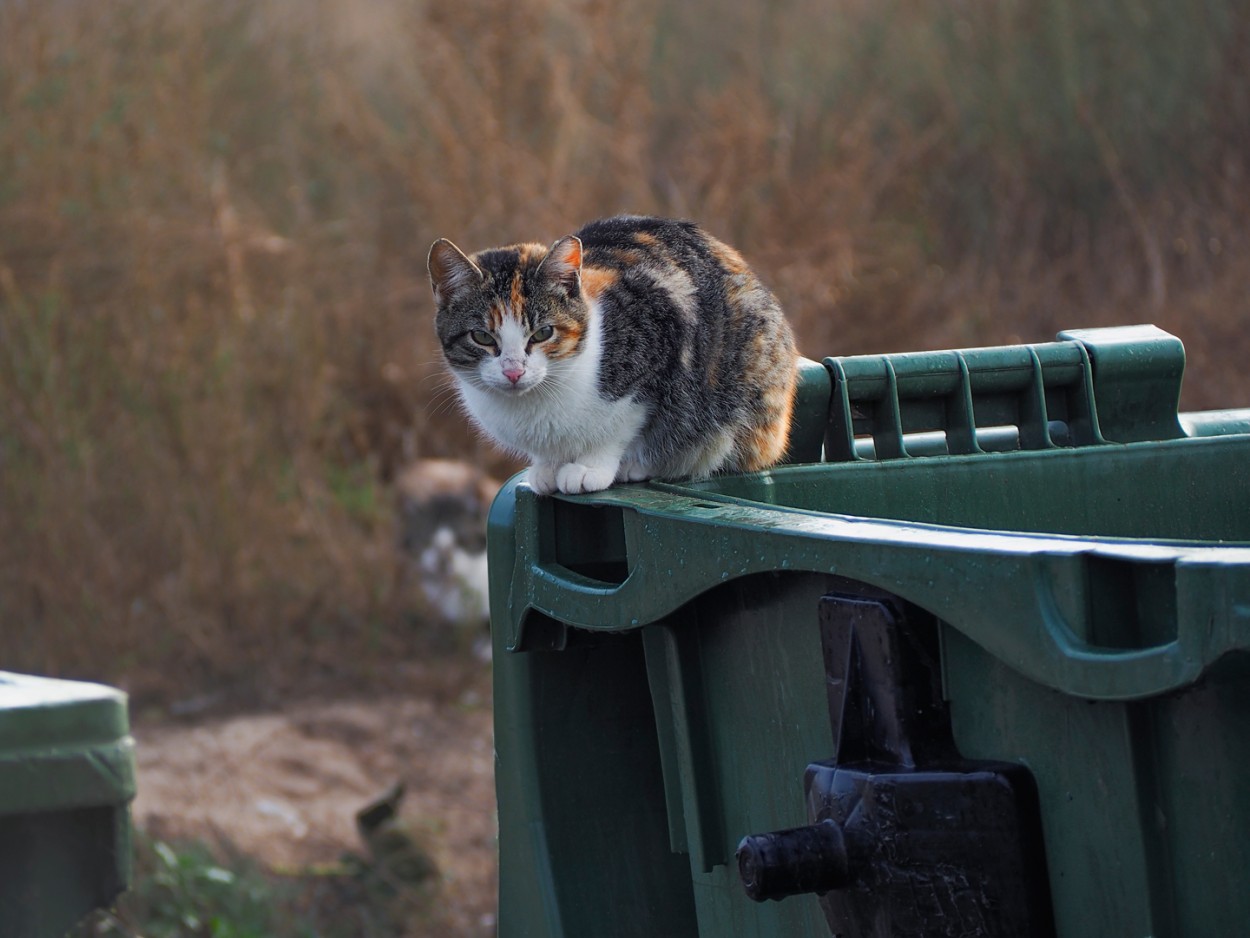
x=529, y=253
x=572, y=256
x=516, y=298
x=727, y=257
x=766, y=445
x=595, y=280
x=771, y=366
x=567, y=339
x=627, y=258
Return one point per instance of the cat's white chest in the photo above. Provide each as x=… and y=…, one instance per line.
x=560, y=427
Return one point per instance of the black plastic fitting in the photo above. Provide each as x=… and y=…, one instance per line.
x=810, y=859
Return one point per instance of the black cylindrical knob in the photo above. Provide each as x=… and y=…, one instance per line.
x=787, y=863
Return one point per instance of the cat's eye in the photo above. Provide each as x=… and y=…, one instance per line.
x=482, y=337
x=542, y=335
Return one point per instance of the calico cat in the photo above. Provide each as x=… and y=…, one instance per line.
x=636, y=348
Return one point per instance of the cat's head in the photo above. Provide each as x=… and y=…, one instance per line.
x=507, y=317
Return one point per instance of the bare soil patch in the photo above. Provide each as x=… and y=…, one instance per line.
x=283, y=785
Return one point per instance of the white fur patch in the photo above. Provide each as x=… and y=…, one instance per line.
x=678, y=284
x=560, y=419
x=513, y=337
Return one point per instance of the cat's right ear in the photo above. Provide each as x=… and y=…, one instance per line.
x=451, y=271
x=562, y=267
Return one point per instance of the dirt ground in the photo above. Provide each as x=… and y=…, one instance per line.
x=284, y=785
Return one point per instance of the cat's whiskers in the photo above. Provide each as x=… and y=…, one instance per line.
x=443, y=407
x=444, y=399
x=446, y=383
x=552, y=388
x=436, y=377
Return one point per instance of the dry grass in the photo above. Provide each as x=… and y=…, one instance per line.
x=214, y=324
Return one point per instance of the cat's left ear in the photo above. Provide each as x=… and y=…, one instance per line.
x=562, y=267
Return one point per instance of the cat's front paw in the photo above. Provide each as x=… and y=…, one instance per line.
x=542, y=479
x=574, y=478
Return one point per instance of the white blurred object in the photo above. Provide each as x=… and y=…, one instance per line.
x=283, y=812
x=442, y=513
x=455, y=581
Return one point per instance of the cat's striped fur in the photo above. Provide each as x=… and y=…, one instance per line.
x=635, y=348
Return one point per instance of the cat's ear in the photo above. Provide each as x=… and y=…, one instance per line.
x=562, y=267
x=450, y=271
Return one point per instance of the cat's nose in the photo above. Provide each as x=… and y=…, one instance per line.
x=514, y=373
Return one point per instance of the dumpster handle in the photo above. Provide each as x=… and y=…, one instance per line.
x=737, y=539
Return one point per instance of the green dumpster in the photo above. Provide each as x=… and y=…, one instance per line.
x=973, y=663
x=66, y=782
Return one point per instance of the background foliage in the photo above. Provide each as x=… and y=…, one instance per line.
x=215, y=339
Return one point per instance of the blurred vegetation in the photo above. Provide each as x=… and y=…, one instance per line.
x=182, y=889
x=215, y=339
x=189, y=889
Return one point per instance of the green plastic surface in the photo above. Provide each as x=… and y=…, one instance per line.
x=659, y=686
x=66, y=781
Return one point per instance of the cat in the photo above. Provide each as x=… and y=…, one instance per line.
x=636, y=348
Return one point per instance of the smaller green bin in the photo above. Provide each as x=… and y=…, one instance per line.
x=66, y=782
